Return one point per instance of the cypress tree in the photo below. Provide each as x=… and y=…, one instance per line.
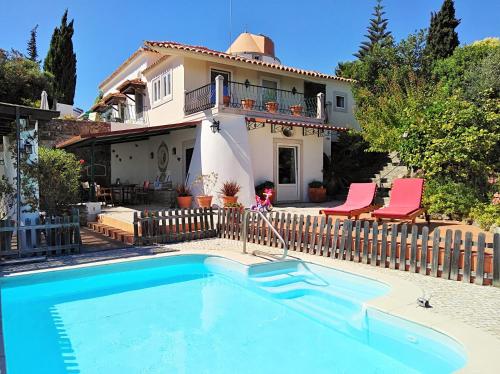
x=32, y=49
x=61, y=61
x=442, y=38
x=377, y=32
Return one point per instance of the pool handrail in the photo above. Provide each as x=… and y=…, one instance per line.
x=268, y=223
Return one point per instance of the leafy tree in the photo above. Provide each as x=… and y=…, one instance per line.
x=377, y=32
x=443, y=39
x=21, y=80
x=61, y=61
x=99, y=97
x=32, y=48
x=58, y=175
x=458, y=71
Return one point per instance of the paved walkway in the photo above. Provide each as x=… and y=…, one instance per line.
x=477, y=306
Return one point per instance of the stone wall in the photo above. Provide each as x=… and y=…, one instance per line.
x=58, y=130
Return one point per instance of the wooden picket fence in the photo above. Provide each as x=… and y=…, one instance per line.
x=48, y=236
x=173, y=225
x=389, y=245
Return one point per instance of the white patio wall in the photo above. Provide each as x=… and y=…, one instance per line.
x=141, y=167
x=228, y=154
x=262, y=146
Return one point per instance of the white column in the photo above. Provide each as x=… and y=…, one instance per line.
x=219, y=91
x=320, y=109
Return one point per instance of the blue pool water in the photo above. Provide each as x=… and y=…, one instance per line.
x=206, y=314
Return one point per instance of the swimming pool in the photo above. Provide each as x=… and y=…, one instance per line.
x=208, y=314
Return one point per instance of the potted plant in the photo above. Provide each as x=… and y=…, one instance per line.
x=228, y=192
x=296, y=109
x=272, y=106
x=247, y=103
x=184, y=195
x=207, y=182
x=260, y=188
x=316, y=192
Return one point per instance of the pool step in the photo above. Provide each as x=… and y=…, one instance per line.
x=112, y=232
x=350, y=321
x=282, y=279
x=273, y=268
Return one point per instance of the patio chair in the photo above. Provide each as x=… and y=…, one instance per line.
x=142, y=194
x=359, y=200
x=104, y=194
x=405, y=201
x=85, y=191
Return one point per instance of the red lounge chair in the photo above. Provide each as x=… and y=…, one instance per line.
x=405, y=202
x=359, y=200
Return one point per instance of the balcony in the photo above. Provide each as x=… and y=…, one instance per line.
x=251, y=98
x=125, y=113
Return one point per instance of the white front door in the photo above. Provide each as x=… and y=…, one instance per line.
x=287, y=172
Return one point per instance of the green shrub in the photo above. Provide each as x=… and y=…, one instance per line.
x=315, y=184
x=486, y=215
x=262, y=186
x=450, y=198
x=58, y=175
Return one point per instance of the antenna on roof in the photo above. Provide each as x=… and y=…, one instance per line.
x=230, y=24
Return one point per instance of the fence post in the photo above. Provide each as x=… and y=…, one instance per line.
x=455, y=256
x=136, y=229
x=496, y=260
x=480, y=259
x=414, y=248
x=373, y=257
x=447, y=255
x=467, y=257
x=423, y=253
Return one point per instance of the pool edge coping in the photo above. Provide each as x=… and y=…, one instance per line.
x=400, y=302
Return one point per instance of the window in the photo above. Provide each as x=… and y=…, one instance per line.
x=167, y=84
x=340, y=101
x=156, y=90
x=162, y=87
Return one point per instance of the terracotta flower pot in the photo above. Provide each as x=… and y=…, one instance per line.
x=204, y=201
x=296, y=110
x=226, y=99
x=317, y=195
x=184, y=201
x=272, y=106
x=247, y=104
x=229, y=199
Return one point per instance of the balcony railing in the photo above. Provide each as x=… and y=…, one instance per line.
x=250, y=97
x=126, y=113
x=200, y=99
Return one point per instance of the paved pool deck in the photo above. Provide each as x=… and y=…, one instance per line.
x=467, y=312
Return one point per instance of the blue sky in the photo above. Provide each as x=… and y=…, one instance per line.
x=314, y=34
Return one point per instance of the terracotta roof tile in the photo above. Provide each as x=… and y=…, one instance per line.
x=222, y=55
x=131, y=82
x=125, y=63
x=114, y=95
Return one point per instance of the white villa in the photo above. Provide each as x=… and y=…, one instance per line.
x=178, y=111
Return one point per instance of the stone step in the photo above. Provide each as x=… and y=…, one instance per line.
x=112, y=232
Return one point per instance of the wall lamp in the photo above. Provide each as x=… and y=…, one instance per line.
x=28, y=148
x=215, y=126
